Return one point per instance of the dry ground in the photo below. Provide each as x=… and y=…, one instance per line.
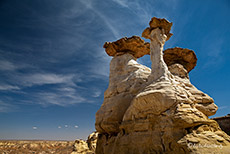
x=35, y=147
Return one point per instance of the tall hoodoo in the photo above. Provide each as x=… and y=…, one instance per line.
x=158, y=33
x=155, y=110
x=125, y=80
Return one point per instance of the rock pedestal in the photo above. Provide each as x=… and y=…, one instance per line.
x=126, y=79
x=156, y=110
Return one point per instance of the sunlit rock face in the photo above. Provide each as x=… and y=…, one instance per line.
x=157, y=110
x=85, y=147
x=126, y=79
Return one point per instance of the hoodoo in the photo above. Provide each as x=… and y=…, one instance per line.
x=155, y=110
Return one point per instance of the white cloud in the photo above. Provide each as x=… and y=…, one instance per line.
x=60, y=98
x=214, y=49
x=108, y=22
x=103, y=63
x=45, y=78
x=7, y=66
x=123, y=3
x=87, y=3
x=8, y=87
x=59, y=127
x=66, y=126
x=5, y=107
x=34, y=128
x=96, y=93
x=214, y=54
x=223, y=107
x=144, y=11
x=63, y=93
x=76, y=126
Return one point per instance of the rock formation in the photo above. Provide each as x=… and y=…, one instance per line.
x=155, y=110
x=85, y=147
x=133, y=45
x=81, y=147
x=177, y=55
x=126, y=79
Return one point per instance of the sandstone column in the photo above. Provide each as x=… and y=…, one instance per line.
x=158, y=33
x=126, y=78
x=159, y=68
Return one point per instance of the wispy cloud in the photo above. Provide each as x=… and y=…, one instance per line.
x=108, y=22
x=55, y=89
x=5, y=107
x=123, y=3
x=7, y=65
x=223, y=107
x=214, y=50
x=54, y=98
x=103, y=62
x=8, y=87
x=44, y=78
x=142, y=11
x=62, y=95
x=96, y=93
x=145, y=10
x=47, y=67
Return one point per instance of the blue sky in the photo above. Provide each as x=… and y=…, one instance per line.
x=54, y=70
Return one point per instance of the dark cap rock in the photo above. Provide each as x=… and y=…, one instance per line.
x=183, y=56
x=133, y=45
x=163, y=24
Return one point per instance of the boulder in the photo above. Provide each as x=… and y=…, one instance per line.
x=85, y=147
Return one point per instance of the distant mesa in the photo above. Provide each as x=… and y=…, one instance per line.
x=133, y=45
x=224, y=123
